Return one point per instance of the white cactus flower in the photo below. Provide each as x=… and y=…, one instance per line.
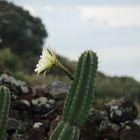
x=48, y=59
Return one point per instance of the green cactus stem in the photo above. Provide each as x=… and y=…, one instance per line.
x=5, y=99
x=65, y=70
x=79, y=99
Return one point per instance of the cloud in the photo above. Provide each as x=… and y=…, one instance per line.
x=94, y=2
x=120, y=61
x=78, y=2
x=123, y=54
x=111, y=15
x=114, y=16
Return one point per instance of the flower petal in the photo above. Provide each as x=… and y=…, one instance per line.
x=48, y=59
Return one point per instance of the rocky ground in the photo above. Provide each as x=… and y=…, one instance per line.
x=36, y=111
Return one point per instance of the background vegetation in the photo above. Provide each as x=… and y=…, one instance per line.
x=21, y=40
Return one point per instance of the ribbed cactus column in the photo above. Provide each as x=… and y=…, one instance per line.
x=5, y=99
x=79, y=99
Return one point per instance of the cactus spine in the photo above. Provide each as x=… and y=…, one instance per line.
x=79, y=99
x=5, y=99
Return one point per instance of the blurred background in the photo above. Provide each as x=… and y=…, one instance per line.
x=110, y=28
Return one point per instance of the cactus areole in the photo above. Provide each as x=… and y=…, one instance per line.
x=79, y=99
x=5, y=99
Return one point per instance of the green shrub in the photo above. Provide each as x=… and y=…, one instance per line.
x=8, y=61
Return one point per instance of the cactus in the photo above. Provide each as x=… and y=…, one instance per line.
x=5, y=99
x=79, y=99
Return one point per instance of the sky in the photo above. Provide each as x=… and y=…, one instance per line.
x=109, y=27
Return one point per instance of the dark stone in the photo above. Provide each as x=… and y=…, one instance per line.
x=14, y=114
x=106, y=125
x=59, y=90
x=40, y=91
x=95, y=117
x=42, y=105
x=13, y=126
x=92, y=125
x=38, y=132
x=17, y=87
x=22, y=104
x=108, y=130
x=35, y=116
x=89, y=132
x=121, y=110
x=131, y=131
